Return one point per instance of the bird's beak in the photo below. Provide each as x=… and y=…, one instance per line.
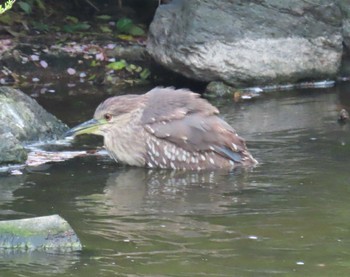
x=88, y=127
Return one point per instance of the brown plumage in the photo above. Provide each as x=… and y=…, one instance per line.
x=167, y=128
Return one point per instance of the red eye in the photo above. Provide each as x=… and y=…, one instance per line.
x=108, y=116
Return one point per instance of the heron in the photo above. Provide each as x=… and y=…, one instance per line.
x=167, y=128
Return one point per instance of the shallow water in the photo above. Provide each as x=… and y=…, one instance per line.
x=287, y=217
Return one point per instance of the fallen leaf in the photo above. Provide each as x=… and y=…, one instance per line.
x=43, y=64
x=103, y=17
x=117, y=65
x=145, y=74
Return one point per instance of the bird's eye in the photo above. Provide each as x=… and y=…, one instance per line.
x=108, y=116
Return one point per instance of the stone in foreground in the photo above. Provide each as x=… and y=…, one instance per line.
x=48, y=233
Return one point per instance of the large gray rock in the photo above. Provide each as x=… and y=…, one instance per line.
x=248, y=42
x=23, y=120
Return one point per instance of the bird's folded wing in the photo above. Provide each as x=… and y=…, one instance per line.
x=183, y=118
x=200, y=133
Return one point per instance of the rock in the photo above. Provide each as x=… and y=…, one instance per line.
x=346, y=32
x=344, y=6
x=245, y=43
x=23, y=120
x=343, y=116
x=12, y=151
x=219, y=89
x=38, y=233
x=129, y=52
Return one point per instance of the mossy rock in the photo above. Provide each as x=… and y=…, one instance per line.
x=38, y=233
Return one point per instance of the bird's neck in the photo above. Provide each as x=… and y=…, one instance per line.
x=125, y=143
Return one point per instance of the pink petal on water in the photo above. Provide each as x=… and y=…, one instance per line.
x=43, y=64
x=99, y=57
x=34, y=58
x=71, y=71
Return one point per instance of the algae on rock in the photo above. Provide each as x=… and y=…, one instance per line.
x=38, y=233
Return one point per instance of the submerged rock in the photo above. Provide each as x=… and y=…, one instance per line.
x=23, y=120
x=245, y=43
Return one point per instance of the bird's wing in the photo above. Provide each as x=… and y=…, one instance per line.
x=193, y=125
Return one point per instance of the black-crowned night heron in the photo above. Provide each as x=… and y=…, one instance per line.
x=166, y=128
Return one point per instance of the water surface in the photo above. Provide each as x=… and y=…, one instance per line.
x=287, y=217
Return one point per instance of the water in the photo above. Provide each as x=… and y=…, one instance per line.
x=287, y=217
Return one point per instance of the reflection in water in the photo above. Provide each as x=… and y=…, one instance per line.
x=180, y=192
x=141, y=197
x=43, y=192
x=158, y=217
x=289, y=113
x=6, y=193
x=36, y=263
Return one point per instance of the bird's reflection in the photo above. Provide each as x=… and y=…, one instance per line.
x=138, y=190
x=139, y=203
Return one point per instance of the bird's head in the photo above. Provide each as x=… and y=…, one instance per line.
x=113, y=113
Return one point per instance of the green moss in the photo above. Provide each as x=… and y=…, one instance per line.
x=50, y=232
x=11, y=229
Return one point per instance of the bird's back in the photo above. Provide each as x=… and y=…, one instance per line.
x=183, y=131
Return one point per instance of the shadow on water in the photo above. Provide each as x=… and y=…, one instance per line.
x=287, y=216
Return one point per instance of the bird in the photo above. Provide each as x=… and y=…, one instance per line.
x=167, y=128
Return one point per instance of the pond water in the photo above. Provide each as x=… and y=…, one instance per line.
x=287, y=217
